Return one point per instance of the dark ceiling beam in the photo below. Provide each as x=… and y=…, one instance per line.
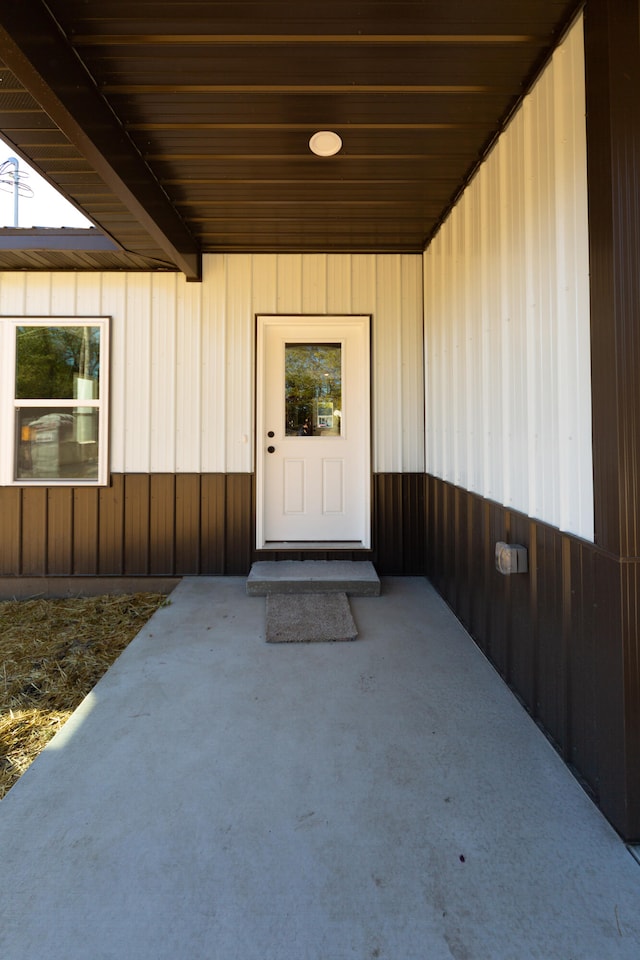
x=252, y=125
x=35, y=49
x=333, y=39
x=296, y=88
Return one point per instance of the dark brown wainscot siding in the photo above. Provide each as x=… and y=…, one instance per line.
x=141, y=525
x=399, y=514
x=171, y=525
x=555, y=634
x=10, y=531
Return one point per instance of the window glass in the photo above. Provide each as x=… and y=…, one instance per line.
x=59, y=415
x=57, y=363
x=57, y=443
x=313, y=389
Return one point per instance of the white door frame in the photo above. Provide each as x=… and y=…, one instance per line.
x=350, y=323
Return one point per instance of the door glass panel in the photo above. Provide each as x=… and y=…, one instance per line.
x=313, y=389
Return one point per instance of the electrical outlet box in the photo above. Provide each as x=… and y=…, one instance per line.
x=511, y=558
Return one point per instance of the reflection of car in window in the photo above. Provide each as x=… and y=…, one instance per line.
x=50, y=436
x=52, y=428
x=51, y=447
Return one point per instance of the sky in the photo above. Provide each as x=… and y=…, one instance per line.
x=46, y=208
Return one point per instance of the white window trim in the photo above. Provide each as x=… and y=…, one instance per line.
x=8, y=402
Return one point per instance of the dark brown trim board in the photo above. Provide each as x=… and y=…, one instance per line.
x=28, y=588
x=612, y=56
x=612, y=49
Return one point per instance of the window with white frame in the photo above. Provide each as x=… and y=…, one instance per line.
x=55, y=403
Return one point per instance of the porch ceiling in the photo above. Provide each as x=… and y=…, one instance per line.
x=182, y=128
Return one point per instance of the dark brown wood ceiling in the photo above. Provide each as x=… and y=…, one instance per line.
x=183, y=127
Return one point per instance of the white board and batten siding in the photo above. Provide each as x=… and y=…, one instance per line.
x=182, y=354
x=507, y=349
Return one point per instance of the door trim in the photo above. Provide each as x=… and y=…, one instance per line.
x=302, y=321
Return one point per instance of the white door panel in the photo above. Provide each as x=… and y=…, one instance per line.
x=313, y=441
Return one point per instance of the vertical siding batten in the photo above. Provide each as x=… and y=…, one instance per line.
x=265, y=280
x=514, y=313
x=339, y=284
x=88, y=294
x=189, y=378
x=84, y=537
x=10, y=531
x=162, y=500
x=314, y=283
x=214, y=365
x=162, y=427
x=13, y=294
x=115, y=304
x=289, y=283
x=578, y=456
x=64, y=299
x=386, y=347
x=34, y=532
x=136, y=540
x=137, y=381
x=456, y=326
x=239, y=401
x=504, y=281
x=38, y=297
x=469, y=359
x=59, y=521
x=411, y=375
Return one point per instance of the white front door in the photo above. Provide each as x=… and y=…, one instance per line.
x=313, y=477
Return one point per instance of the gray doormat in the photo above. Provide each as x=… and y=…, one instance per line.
x=307, y=618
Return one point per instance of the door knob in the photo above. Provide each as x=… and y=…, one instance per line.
x=271, y=449
x=271, y=433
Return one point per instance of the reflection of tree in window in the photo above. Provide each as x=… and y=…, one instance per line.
x=313, y=388
x=49, y=361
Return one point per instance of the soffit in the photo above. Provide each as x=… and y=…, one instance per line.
x=182, y=128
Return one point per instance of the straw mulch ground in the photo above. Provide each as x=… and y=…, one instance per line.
x=52, y=652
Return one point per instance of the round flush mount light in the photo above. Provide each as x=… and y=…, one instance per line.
x=325, y=143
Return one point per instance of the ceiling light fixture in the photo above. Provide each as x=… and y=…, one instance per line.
x=325, y=143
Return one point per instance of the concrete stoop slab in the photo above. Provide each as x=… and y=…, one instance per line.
x=356, y=578
x=309, y=618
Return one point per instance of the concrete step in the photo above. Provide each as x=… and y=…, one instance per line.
x=356, y=578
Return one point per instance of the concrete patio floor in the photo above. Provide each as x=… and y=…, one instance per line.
x=220, y=798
